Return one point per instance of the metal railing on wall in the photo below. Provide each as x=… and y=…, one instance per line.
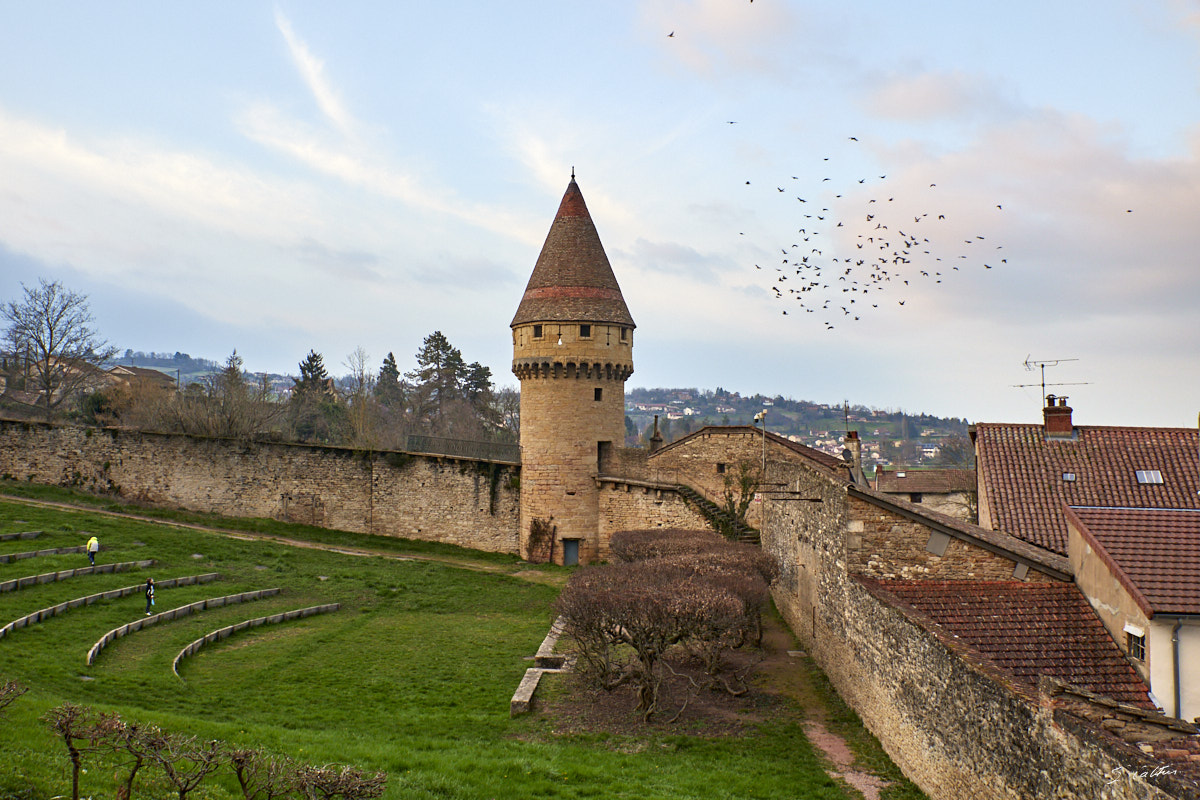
x=464, y=448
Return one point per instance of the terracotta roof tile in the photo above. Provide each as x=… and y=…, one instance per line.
x=930, y=481
x=1025, y=629
x=1021, y=474
x=1157, y=549
x=572, y=280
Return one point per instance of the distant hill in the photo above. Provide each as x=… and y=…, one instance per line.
x=889, y=436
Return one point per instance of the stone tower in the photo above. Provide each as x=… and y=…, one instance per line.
x=572, y=351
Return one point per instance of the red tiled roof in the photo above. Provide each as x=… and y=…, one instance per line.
x=1021, y=474
x=1025, y=629
x=928, y=481
x=1157, y=549
x=572, y=280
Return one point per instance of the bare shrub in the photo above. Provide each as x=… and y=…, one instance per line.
x=261, y=776
x=9, y=692
x=332, y=780
x=639, y=545
x=185, y=760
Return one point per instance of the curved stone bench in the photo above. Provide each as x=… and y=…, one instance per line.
x=8, y=558
x=62, y=575
x=229, y=630
x=111, y=594
x=175, y=613
x=8, y=537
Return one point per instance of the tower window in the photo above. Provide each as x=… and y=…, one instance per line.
x=720, y=468
x=599, y=393
x=624, y=334
x=537, y=331
x=585, y=331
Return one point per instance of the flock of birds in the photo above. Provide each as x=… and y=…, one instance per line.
x=843, y=264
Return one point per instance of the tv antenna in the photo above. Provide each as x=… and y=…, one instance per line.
x=1031, y=365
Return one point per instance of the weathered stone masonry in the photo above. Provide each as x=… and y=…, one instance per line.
x=457, y=501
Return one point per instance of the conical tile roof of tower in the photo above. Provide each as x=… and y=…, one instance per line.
x=572, y=280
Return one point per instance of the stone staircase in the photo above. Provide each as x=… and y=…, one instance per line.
x=722, y=521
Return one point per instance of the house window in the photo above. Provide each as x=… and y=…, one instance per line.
x=1148, y=476
x=1136, y=646
x=1068, y=477
x=585, y=331
x=599, y=393
x=537, y=331
x=914, y=497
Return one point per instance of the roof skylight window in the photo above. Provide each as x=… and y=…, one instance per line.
x=1068, y=477
x=1148, y=476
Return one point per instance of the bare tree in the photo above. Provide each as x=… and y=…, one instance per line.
x=52, y=328
x=363, y=410
x=262, y=776
x=185, y=760
x=82, y=730
x=9, y=692
x=225, y=404
x=331, y=780
x=739, y=491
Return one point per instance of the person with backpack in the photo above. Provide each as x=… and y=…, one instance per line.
x=93, y=547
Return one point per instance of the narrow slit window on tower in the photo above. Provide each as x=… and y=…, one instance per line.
x=599, y=393
x=585, y=331
x=624, y=334
x=537, y=331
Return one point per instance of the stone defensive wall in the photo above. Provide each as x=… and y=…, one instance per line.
x=627, y=504
x=955, y=724
x=460, y=501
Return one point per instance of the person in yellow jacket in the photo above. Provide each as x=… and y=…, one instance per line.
x=93, y=547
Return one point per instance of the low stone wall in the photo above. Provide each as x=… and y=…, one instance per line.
x=436, y=498
x=11, y=537
x=111, y=594
x=65, y=574
x=229, y=630
x=174, y=613
x=8, y=558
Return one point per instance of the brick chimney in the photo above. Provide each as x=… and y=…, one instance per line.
x=656, y=440
x=1057, y=416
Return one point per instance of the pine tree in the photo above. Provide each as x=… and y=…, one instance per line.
x=437, y=378
x=388, y=390
x=314, y=380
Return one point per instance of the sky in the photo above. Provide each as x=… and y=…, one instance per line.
x=280, y=177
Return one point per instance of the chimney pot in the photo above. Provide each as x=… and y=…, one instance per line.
x=1057, y=417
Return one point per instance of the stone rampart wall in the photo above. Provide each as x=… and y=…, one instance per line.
x=955, y=725
x=458, y=501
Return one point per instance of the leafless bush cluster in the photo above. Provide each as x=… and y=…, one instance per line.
x=184, y=762
x=634, y=622
x=9, y=692
x=643, y=544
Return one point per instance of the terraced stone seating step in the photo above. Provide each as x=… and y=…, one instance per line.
x=8, y=558
x=10, y=537
x=229, y=630
x=175, y=613
x=65, y=574
x=112, y=594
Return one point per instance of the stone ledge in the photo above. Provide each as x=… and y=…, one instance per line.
x=62, y=575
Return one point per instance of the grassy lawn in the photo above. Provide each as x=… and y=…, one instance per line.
x=412, y=676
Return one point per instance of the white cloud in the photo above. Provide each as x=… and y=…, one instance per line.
x=312, y=71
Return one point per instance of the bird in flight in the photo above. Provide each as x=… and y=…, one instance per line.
x=671, y=35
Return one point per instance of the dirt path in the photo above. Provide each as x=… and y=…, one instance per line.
x=783, y=674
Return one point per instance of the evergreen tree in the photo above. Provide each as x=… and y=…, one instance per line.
x=314, y=379
x=388, y=390
x=437, y=378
